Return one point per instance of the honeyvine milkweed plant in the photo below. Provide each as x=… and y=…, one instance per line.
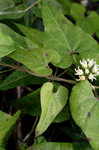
x=52, y=74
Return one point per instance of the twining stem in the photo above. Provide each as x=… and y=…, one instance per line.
x=53, y=78
x=62, y=73
x=6, y=71
x=19, y=125
x=61, y=79
x=32, y=130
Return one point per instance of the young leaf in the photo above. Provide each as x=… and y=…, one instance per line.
x=7, y=123
x=51, y=105
x=36, y=59
x=85, y=111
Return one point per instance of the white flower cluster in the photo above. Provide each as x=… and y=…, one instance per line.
x=88, y=69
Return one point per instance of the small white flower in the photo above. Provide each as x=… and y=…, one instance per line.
x=91, y=77
x=91, y=63
x=83, y=63
x=95, y=69
x=79, y=72
x=87, y=71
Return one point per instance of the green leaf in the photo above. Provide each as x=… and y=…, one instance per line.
x=59, y=146
x=18, y=78
x=7, y=123
x=36, y=59
x=85, y=111
x=68, y=40
x=50, y=100
x=10, y=40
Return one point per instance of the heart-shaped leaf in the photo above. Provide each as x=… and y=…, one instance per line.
x=85, y=111
x=30, y=104
x=51, y=105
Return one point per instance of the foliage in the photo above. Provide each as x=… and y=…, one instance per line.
x=42, y=44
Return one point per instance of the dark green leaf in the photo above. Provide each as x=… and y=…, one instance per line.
x=30, y=103
x=18, y=78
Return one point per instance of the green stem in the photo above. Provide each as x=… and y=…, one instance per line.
x=32, y=130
